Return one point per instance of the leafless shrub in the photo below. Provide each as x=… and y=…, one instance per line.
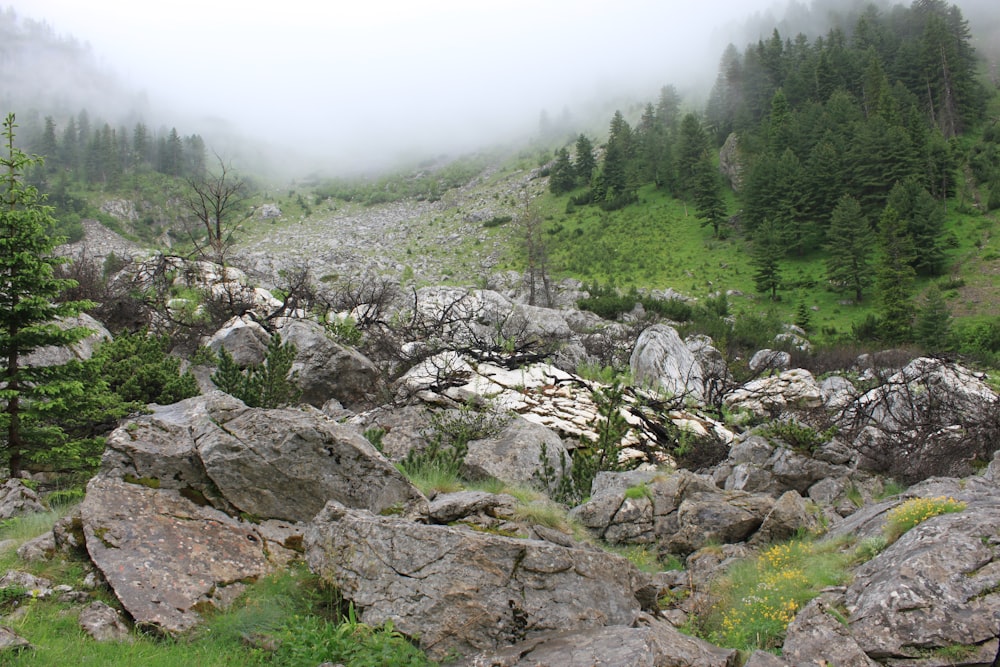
x=932, y=418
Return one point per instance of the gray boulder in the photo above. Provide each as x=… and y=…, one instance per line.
x=278, y=464
x=731, y=161
x=324, y=369
x=770, y=396
x=680, y=513
x=770, y=360
x=81, y=350
x=164, y=556
x=465, y=591
x=817, y=635
x=103, y=623
x=402, y=429
x=716, y=518
x=16, y=499
x=243, y=338
x=934, y=588
x=651, y=643
x=11, y=642
x=788, y=517
x=661, y=360
x=514, y=455
x=449, y=507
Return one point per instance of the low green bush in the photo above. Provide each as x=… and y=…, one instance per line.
x=915, y=511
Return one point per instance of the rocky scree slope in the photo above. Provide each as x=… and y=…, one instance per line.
x=196, y=499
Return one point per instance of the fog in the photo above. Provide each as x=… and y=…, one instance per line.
x=363, y=84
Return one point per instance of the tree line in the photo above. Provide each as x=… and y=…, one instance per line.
x=95, y=153
x=848, y=146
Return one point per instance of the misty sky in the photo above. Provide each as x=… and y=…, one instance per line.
x=383, y=76
x=370, y=80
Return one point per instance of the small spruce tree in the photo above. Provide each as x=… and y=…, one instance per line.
x=932, y=329
x=270, y=384
x=29, y=308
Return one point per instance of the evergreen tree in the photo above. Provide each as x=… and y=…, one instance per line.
x=707, y=195
x=933, y=325
x=894, y=278
x=68, y=153
x=49, y=147
x=765, y=257
x=923, y=220
x=691, y=145
x=29, y=306
x=803, y=318
x=142, y=150
x=668, y=108
x=851, y=245
x=584, y=161
x=138, y=368
x=619, y=168
x=562, y=176
x=270, y=384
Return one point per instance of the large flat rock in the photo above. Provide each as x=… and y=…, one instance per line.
x=463, y=591
x=165, y=556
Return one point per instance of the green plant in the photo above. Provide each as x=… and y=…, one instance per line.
x=345, y=331
x=638, y=492
x=138, y=367
x=64, y=497
x=870, y=547
x=645, y=557
x=890, y=488
x=270, y=384
x=573, y=481
x=374, y=435
x=915, y=511
x=309, y=641
x=757, y=598
x=30, y=302
x=798, y=436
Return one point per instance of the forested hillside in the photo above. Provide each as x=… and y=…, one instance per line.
x=850, y=163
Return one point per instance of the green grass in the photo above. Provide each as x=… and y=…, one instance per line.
x=659, y=243
x=915, y=511
x=645, y=557
x=288, y=618
x=758, y=597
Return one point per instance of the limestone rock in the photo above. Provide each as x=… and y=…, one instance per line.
x=515, y=454
x=40, y=548
x=243, y=338
x=17, y=499
x=764, y=659
x=272, y=464
x=931, y=418
x=731, y=161
x=326, y=369
x=402, y=428
x=103, y=623
x=81, y=350
x=164, y=556
x=11, y=642
x=933, y=588
x=661, y=359
x=817, y=635
x=285, y=464
x=787, y=518
x=448, y=507
x=838, y=393
x=705, y=518
x=770, y=360
x=652, y=643
x=768, y=396
x=466, y=591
